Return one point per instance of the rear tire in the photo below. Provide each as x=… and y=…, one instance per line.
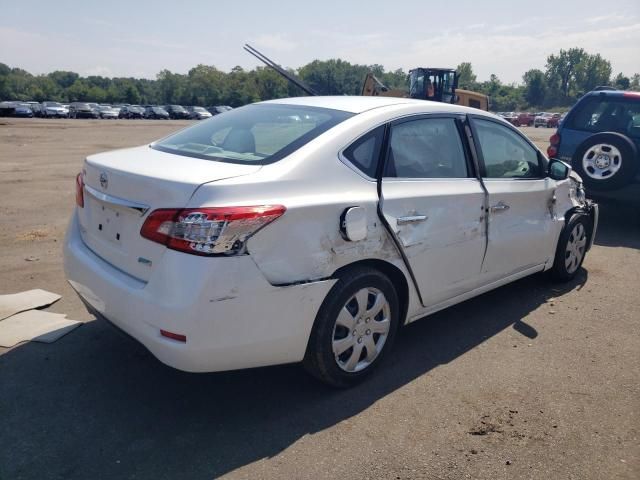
x=606, y=161
x=355, y=328
x=571, y=249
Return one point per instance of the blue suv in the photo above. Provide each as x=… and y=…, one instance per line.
x=600, y=138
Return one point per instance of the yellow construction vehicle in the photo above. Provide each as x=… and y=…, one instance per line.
x=436, y=84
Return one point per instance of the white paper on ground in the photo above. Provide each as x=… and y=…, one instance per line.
x=34, y=325
x=19, y=302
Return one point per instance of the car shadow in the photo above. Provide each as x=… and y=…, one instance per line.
x=619, y=223
x=96, y=404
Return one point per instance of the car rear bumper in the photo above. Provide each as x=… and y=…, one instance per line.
x=232, y=317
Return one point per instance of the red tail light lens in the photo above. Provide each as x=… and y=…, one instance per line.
x=552, y=150
x=208, y=231
x=80, y=190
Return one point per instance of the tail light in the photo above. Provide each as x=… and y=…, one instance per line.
x=80, y=190
x=554, y=141
x=208, y=231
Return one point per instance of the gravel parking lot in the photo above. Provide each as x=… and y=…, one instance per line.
x=533, y=380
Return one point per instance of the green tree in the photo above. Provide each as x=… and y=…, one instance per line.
x=171, y=86
x=466, y=77
x=270, y=84
x=63, y=78
x=535, y=87
x=591, y=72
x=335, y=76
x=561, y=69
x=622, y=82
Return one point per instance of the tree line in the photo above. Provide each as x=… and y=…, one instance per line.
x=567, y=75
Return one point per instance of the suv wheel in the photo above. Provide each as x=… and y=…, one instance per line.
x=354, y=329
x=606, y=161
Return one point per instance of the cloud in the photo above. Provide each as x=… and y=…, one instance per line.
x=98, y=70
x=274, y=41
x=151, y=42
x=506, y=48
x=613, y=17
x=510, y=52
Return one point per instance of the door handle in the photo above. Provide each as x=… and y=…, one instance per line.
x=499, y=207
x=411, y=219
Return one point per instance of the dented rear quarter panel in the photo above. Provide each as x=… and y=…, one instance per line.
x=316, y=187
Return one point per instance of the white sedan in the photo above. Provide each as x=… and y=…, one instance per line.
x=311, y=229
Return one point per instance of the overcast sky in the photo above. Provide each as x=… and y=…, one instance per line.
x=139, y=38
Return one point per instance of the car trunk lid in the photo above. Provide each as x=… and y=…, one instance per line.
x=124, y=186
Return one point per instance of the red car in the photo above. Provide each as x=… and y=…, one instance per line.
x=524, y=119
x=549, y=120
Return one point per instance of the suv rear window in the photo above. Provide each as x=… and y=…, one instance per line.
x=260, y=133
x=607, y=113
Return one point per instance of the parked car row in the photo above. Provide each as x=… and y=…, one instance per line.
x=549, y=120
x=526, y=119
x=95, y=110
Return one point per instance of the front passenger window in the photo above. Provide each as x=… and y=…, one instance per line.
x=505, y=153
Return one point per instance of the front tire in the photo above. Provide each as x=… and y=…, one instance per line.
x=572, y=248
x=354, y=329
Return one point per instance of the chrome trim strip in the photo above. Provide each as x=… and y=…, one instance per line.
x=138, y=208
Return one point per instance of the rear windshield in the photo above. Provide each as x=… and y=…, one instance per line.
x=607, y=113
x=259, y=134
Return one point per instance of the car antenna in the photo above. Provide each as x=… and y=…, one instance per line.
x=269, y=63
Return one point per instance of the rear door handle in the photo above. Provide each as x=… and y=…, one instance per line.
x=499, y=207
x=411, y=219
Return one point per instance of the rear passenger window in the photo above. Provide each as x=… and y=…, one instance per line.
x=426, y=148
x=364, y=153
x=505, y=153
x=608, y=113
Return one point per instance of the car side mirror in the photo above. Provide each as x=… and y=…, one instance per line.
x=558, y=170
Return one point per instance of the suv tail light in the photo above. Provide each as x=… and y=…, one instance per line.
x=552, y=150
x=80, y=190
x=208, y=231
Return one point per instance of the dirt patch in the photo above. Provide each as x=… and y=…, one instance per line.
x=32, y=235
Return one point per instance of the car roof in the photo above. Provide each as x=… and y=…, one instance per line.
x=614, y=93
x=359, y=104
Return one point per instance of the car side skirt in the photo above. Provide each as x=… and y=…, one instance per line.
x=475, y=292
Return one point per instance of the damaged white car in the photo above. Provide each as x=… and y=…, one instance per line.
x=311, y=229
